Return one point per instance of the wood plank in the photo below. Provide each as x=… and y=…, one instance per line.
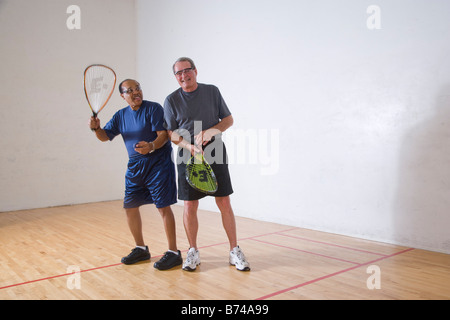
x=38, y=246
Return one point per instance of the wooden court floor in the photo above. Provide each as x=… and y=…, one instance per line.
x=74, y=252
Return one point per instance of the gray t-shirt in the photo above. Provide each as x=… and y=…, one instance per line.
x=189, y=113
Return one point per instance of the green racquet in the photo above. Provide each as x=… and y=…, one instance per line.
x=200, y=176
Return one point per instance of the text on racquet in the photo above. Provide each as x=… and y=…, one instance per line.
x=200, y=175
x=99, y=83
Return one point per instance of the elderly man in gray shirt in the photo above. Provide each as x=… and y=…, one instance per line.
x=195, y=116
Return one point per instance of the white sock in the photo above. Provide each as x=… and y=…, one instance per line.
x=141, y=247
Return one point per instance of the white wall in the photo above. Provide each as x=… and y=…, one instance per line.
x=362, y=115
x=48, y=154
x=346, y=129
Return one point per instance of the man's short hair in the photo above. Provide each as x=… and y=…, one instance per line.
x=182, y=59
x=120, y=85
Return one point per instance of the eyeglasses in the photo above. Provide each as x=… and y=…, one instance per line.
x=130, y=90
x=184, y=71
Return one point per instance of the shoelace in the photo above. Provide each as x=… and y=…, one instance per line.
x=239, y=254
x=190, y=256
x=165, y=257
x=136, y=250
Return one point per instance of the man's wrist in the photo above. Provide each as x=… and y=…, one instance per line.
x=152, y=147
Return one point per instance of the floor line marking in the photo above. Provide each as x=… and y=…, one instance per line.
x=117, y=264
x=330, y=275
x=333, y=245
x=309, y=252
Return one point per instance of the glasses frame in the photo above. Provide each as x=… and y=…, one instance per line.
x=131, y=90
x=184, y=71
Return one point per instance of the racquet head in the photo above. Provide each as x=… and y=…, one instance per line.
x=200, y=175
x=99, y=83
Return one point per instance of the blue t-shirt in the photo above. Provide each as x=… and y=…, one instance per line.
x=136, y=126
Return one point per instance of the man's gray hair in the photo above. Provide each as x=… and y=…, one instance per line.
x=182, y=59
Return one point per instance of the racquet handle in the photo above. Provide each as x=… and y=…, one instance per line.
x=94, y=114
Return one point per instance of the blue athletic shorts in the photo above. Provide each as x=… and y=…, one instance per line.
x=150, y=179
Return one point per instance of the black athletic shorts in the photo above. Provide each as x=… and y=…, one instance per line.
x=216, y=155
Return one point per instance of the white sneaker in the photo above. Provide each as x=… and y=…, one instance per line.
x=192, y=260
x=237, y=258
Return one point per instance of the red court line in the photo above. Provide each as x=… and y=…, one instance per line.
x=330, y=275
x=117, y=264
x=206, y=246
x=309, y=252
x=65, y=274
x=311, y=240
x=331, y=244
x=57, y=276
x=267, y=234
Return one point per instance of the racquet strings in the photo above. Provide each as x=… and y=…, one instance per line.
x=99, y=83
x=200, y=176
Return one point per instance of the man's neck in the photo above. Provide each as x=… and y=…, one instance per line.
x=191, y=89
x=136, y=108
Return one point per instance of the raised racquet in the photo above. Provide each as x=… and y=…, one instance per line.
x=200, y=176
x=99, y=83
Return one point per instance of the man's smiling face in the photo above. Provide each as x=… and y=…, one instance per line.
x=132, y=93
x=186, y=76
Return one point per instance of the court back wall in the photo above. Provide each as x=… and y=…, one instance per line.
x=339, y=126
x=341, y=108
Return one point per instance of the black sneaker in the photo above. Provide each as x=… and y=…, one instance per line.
x=168, y=261
x=136, y=255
